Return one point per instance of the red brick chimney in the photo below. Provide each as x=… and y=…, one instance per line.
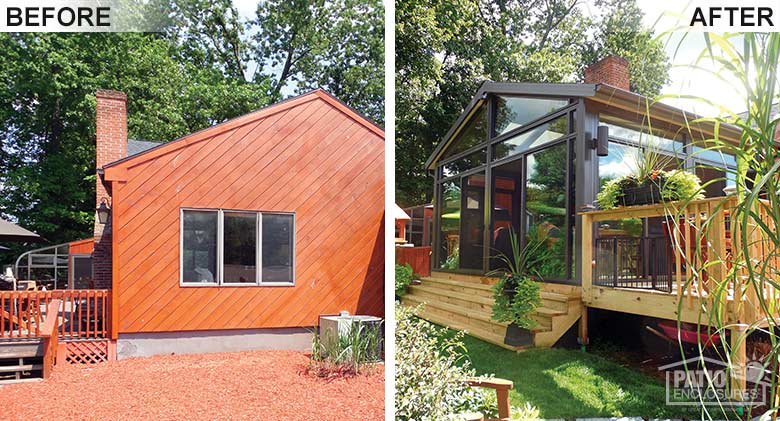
x=111, y=145
x=611, y=70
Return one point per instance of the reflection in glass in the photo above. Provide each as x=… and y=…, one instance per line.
x=450, y=225
x=643, y=138
x=240, y=248
x=472, y=221
x=472, y=134
x=199, y=247
x=514, y=112
x=545, y=207
x=507, y=182
x=278, y=248
x=464, y=164
x=537, y=136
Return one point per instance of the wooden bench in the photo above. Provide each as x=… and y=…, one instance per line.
x=502, y=388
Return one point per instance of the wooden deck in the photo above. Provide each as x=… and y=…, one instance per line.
x=709, y=257
x=465, y=302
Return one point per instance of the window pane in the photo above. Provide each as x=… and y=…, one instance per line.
x=199, y=236
x=277, y=248
x=240, y=248
x=619, y=162
x=472, y=216
x=472, y=134
x=715, y=156
x=545, y=208
x=537, y=136
x=643, y=138
x=82, y=272
x=450, y=225
x=514, y=112
x=464, y=164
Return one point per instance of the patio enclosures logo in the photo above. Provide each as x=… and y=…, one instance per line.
x=733, y=16
x=706, y=381
x=80, y=16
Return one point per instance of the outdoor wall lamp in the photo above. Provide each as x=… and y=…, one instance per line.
x=103, y=211
x=601, y=142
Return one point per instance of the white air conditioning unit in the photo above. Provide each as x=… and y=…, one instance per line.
x=343, y=324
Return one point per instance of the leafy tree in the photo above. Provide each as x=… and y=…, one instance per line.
x=337, y=45
x=446, y=48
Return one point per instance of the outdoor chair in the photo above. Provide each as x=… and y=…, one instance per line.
x=502, y=388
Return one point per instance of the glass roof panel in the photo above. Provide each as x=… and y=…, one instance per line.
x=514, y=112
x=473, y=133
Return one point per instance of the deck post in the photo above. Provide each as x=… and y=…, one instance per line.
x=739, y=361
x=583, y=339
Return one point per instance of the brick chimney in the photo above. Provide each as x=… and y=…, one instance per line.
x=111, y=145
x=611, y=70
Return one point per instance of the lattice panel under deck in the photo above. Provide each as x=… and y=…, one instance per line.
x=88, y=352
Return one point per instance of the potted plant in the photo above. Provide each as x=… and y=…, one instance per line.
x=516, y=295
x=649, y=183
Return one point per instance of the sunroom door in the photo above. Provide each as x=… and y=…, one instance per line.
x=472, y=222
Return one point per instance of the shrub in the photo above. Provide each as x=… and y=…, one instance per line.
x=431, y=367
x=516, y=295
x=681, y=185
x=403, y=277
x=346, y=352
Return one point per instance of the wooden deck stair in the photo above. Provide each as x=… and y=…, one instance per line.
x=465, y=303
x=21, y=361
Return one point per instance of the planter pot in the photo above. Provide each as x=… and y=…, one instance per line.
x=643, y=195
x=517, y=336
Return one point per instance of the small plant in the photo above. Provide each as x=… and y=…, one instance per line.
x=515, y=300
x=345, y=353
x=524, y=413
x=681, y=185
x=516, y=296
x=403, y=277
x=453, y=260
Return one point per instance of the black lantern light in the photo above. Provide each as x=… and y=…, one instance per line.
x=103, y=211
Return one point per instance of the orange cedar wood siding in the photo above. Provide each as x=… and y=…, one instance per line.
x=314, y=158
x=81, y=246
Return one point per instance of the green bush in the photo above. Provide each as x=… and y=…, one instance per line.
x=675, y=185
x=431, y=367
x=346, y=352
x=681, y=185
x=516, y=295
x=403, y=277
x=518, y=305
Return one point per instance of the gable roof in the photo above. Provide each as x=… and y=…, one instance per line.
x=114, y=170
x=136, y=146
x=601, y=93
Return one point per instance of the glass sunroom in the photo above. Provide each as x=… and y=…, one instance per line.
x=522, y=157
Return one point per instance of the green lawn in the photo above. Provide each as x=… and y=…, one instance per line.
x=567, y=383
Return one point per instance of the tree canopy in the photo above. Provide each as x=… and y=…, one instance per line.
x=208, y=65
x=446, y=48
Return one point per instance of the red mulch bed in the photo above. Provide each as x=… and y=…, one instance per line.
x=268, y=385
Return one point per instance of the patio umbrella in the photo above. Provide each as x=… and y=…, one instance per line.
x=15, y=233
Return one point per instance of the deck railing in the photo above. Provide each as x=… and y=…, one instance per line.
x=83, y=314
x=697, y=268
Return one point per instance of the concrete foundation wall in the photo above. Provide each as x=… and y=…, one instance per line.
x=199, y=342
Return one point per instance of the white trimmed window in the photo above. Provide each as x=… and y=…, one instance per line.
x=233, y=247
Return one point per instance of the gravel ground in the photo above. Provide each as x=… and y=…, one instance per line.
x=262, y=385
